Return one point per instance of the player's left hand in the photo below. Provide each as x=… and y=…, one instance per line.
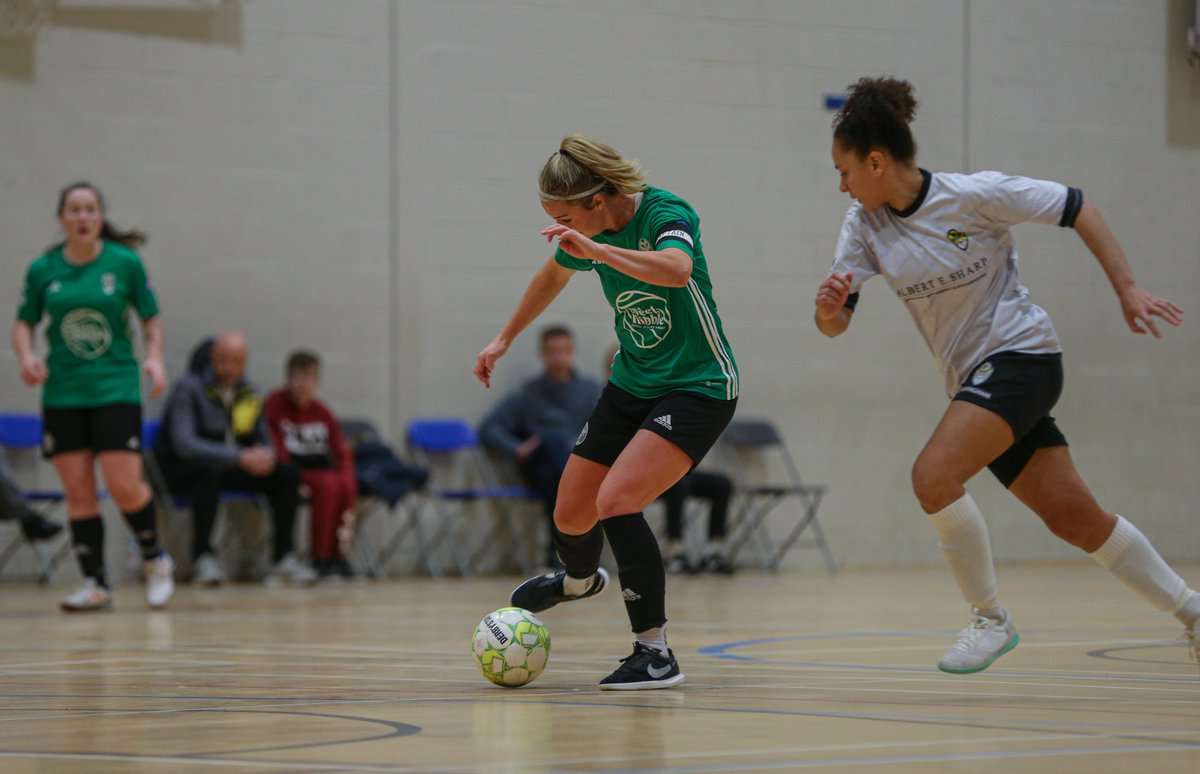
x=572, y=242
x=154, y=369
x=1140, y=307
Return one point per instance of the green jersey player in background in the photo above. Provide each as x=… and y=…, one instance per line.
x=91, y=384
x=673, y=390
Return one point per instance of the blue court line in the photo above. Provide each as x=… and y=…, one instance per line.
x=722, y=651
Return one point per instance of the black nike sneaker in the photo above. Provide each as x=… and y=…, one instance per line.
x=546, y=591
x=644, y=670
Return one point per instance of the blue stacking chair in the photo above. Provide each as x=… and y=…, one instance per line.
x=24, y=432
x=461, y=474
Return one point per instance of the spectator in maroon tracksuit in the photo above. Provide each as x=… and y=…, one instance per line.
x=306, y=433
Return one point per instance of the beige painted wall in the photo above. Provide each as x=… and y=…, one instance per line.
x=358, y=177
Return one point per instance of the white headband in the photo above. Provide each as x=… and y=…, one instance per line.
x=573, y=197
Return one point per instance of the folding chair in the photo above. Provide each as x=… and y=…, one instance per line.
x=757, y=496
x=24, y=432
x=409, y=509
x=461, y=474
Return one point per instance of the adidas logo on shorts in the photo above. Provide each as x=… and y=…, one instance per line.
x=664, y=420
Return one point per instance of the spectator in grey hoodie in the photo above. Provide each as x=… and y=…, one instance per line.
x=214, y=437
x=537, y=425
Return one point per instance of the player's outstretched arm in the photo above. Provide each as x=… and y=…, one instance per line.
x=1138, y=305
x=545, y=286
x=832, y=317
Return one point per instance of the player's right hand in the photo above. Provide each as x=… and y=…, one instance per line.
x=832, y=294
x=487, y=360
x=34, y=371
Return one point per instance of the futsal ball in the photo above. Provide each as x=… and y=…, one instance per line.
x=511, y=646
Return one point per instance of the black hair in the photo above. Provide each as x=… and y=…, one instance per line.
x=550, y=331
x=108, y=231
x=302, y=359
x=876, y=116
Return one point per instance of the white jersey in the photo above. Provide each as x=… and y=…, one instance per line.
x=952, y=261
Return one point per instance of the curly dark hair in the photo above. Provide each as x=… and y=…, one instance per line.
x=876, y=116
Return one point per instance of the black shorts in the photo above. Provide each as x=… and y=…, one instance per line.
x=116, y=427
x=1021, y=388
x=691, y=421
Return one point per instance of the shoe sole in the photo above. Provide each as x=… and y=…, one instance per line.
x=972, y=670
x=97, y=609
x=648, y=685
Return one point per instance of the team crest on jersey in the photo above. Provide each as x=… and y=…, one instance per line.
x=108, y=283
x=644, y=245
x=86, y=333
x=645, y=316
x=982, y=374
x=959, y=239
x=54, y=287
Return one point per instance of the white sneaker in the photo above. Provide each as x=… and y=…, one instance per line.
x=982, y=642
x=206, y=571
x=291, y=570
x=89, y=596
x=160, y=580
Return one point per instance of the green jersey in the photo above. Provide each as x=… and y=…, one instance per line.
x=91, y=360
x=671, y=338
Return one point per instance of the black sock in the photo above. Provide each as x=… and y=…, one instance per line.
x=580, y=554
x=87, y=535
x=144, y=524
x=640, y=568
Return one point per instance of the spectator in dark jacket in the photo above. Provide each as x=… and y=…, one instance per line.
x=214, y=437
x=537, y=425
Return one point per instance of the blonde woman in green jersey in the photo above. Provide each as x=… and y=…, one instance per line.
x=673, y=389
x=91, y=385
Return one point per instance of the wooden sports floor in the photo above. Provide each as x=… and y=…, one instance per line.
x=785, y=672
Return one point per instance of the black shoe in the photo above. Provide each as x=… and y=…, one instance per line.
x=546, y=591
x=644, y=670
x=343, y=568
x=717, y=563
x=37, y=527
x=679, y=564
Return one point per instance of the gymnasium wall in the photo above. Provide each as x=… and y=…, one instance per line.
x=359, y=177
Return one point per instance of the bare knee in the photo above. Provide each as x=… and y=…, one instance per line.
x=616, y=501
x=934, y=488
x=1086, y=529
x=129, y=495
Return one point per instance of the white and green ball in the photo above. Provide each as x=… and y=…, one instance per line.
x=511, y=646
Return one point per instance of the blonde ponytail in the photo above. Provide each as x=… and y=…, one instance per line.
x=583, y=166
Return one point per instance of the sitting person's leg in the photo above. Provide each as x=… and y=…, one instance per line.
x=282, y=489
x=677, y=560
x=718, y=490
x=542, y=471
x=13, y=507
x=326, y=501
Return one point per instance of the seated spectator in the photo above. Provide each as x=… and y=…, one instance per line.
x=214, y=437
x=13, y=507
x=537, y=426
x=306, y=434
x=717, y=488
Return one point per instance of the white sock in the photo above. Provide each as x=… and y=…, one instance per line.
x=576, y=586
x=1128, y=555
x=963, y=538
x=654, y=638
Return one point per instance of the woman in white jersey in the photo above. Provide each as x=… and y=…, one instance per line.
x=942, y=243
x=673, y=388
